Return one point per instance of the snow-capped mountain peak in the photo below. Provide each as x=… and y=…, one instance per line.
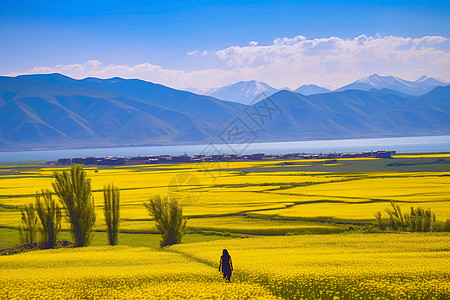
x=419, y=87
x=377, y=81
x=247, y=92
x=310, y=89
x=372, y=79
x=423, y=78
x=244, y=92
x=429, y=81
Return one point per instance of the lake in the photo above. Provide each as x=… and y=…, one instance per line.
x=401, y=145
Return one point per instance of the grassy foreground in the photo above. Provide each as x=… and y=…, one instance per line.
x=356, y=266
x=10, y=238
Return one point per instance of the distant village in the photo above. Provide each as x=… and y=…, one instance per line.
x=164, y=159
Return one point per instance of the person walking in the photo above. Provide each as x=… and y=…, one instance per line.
x=226, y=265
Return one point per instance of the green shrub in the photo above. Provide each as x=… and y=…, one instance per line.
x=168, y=216
x=396, y=219
x=380, y=222
x=446, y=225
x=418, y=220
x=441, y=226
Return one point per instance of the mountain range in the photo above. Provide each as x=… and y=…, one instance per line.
x=416, y=88
x=42, y=111
x=247, y=92
x=55, y=111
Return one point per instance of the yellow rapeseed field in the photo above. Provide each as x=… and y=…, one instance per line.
x=251, y=198
x=116, y=272
x=356, y=266
x=265, y=188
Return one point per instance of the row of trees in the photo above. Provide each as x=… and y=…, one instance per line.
x=73, y=189
x=417, y=220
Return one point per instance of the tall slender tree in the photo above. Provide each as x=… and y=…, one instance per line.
x=28, y=228
x=50, y=216
x=111, y=195
x=74, y=191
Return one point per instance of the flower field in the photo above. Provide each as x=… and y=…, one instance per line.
x=119, y=272
x=354, y=266
x=307, y=211
x=350, y=190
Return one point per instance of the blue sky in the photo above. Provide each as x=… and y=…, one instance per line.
x=151, y=40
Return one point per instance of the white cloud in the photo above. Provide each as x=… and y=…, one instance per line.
x=430, y=40
x=336, y=61
x=192, y=52
x=291, y=62
x=94, y=63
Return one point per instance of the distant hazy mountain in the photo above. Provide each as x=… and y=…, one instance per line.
x=419, y=87
x=55, y=111
x=203, y=107
x=47, y=111
x=245, y=92
x=359, y=114
x=311, y=89
x=390, y=92
x=195, y=90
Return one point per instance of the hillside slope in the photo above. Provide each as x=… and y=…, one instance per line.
x=55, y=111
